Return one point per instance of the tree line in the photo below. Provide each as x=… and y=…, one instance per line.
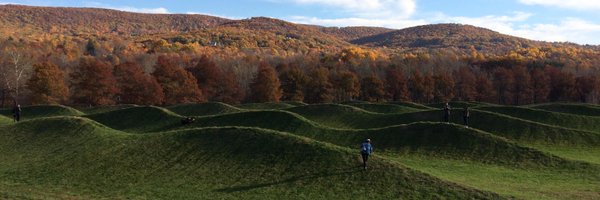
x=96, y=82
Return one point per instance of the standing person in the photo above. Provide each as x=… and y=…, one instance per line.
x=365, y=151
x=17, y=113
x=466, y=115
x=447, y=113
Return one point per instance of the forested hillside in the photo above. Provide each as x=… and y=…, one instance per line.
x=50, y=55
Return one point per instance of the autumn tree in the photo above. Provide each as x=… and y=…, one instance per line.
x=504, y=82
x=229, y=91
x=540, y=84
x=178, y=85
x=466, y=84
x=14, y=71
x=485, y=89
x=421, y=87
x=208, y=76
x=265, y=86
x=443, y=87
x=93, y=83
x=396, y=85
x=47, y=84
x=320, y=89
x=523, y=93
x=136, y=87
x=347, y=86
x=293, y=84
x=562, y=84
x=372, y=89
x=586, y=86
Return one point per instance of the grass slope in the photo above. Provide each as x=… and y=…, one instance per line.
x=588, y=123
x=424, y=138
x=32, y=112
x=265, y=106
x=203, y=109
x=385, y=108
x=5, y=120
x=140, y=119
x=77, y=158
x=571, y=108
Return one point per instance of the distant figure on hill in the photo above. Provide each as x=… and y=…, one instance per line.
x=188, y=120
x=447, y=113
x=17, y=113
x=466, y=115
x=365, y=151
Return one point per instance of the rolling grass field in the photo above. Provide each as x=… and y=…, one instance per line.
x=293, y=150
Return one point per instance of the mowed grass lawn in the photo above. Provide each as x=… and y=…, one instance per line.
x=296, y=151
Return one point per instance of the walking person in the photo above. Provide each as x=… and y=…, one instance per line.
x=447, y=113
x=17, y=113
x=466, y=115
x=366, y=149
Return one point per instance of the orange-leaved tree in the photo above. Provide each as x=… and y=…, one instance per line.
x=178, y=84
x=396, y=85
x=265, y=86
x=372, y=89
x=93, y=83
x=47, y=84
x=136, y=87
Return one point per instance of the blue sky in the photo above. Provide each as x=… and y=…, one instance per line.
x=549, y=20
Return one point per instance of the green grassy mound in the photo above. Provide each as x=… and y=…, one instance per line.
x=140, y=119
x=5, y=120
x=103, y=109
x=212, y=108
x=519, y=130
x=458, y=104
x=588, y=123
x=265, y=106
x=32, y=112
x=571, y=108
x=419, y=138
x=78, y=158
x=385, y=108
x=411, y=104
x=295, y=103
x=509, y=181
x=334, y=115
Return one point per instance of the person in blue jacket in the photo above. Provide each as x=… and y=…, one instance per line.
x=366, y=149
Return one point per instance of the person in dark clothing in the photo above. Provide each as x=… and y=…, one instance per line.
x=188, y=120
x=366, y=149
x=447, y=113
x=17, y=113
x=466, y=115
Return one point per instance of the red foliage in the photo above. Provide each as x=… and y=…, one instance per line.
x=178, y=85
x=47, y=84
x=372, y=89
x=540, y=84
x=93, y=83
x=136, y=87
x=216, y=85
x=265, y=86
x=466, y=84
x=320, y=89
x=504, y=82
x=396, y=85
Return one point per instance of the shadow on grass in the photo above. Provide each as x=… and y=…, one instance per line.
x=291, y=180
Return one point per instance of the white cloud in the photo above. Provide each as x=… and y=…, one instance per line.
x=356, y=21
x=569, y=4
x=367, y=8
x=567, y=30
x=159, y=10
x=9, y=3
x=209, y=14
